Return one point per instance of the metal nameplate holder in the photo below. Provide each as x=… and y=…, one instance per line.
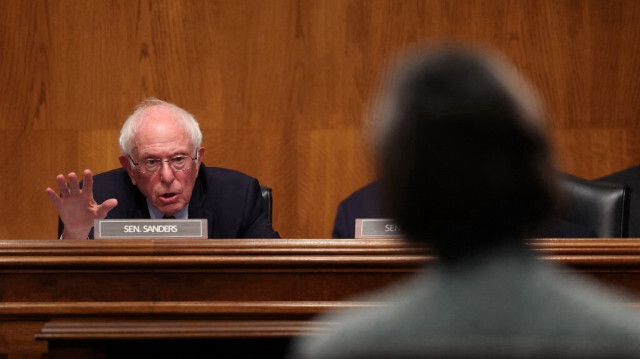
x=150, y=228
x=377, y=228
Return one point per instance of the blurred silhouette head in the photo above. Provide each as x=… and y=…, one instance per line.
x=464, y=162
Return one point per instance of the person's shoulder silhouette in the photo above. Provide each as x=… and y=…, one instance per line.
x=363, y=203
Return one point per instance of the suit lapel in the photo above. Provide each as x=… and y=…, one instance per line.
x=198, y=204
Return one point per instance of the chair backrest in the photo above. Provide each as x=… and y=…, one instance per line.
x=602, y=207
x=267, y=199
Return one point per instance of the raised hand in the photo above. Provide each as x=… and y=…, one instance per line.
x=76, y=207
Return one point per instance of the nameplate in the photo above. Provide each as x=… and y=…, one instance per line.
x=150, y=228
x=377, y=228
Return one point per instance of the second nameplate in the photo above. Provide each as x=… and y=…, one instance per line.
x=377, y=228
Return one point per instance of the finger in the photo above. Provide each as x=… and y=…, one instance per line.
x=74, y=186
x=87, y=183
x=62, y=185
x=106, y=206
x=53, y=195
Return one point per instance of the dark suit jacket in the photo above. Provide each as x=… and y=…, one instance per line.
x=230, y=201
x=629, y=178
x=364, y=203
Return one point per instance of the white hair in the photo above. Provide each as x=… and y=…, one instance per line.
x=131, y=125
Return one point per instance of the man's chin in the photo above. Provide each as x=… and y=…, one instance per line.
x=171, y=209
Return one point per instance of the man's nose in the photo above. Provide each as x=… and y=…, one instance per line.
x=166, y=172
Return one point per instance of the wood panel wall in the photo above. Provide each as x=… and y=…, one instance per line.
x=281, y=87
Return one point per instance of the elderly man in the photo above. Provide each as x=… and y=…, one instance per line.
x=162, y=176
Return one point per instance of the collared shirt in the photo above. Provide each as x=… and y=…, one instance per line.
x=156, y=214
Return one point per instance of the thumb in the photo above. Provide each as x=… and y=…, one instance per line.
x=106, y=206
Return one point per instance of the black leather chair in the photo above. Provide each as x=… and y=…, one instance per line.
x=602, y=207
x=267, y=199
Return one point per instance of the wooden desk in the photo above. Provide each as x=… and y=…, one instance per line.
x=119, y=289
x=94, y=298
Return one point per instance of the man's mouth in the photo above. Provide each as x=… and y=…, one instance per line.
x=168, y=197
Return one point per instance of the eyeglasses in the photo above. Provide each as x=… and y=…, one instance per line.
x=177, y=163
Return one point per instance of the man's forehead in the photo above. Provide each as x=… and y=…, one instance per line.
x=161, y=134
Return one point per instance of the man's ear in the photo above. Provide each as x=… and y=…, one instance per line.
x=200, y=157
x=126, y=164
